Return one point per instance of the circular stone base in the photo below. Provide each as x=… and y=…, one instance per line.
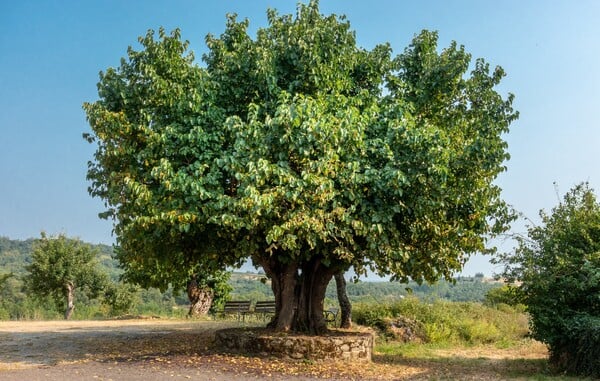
x=335, y=345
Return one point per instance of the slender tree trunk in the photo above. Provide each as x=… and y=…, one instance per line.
x=345, y=305
x=70, y=293
x=200, y=298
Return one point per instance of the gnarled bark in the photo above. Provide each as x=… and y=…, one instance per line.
x=200, y=298
x=314, y=280
x=299, y=291
x=283, y=283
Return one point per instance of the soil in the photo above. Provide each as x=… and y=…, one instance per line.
x=152, y=349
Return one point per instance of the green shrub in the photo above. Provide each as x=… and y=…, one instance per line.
x=120, y=298
x=4, y=314
x=477, y=331
x=88, y=312
x=447, y=322
x=505, y=295
x=558, y=265
x=579, y=352
x=370, y=315
x=438, y=332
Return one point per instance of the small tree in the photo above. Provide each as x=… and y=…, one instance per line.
x=59, y=266
x=558, y=264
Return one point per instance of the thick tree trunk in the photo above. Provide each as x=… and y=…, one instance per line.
x=283, y=283
x=70, y=294
x=299, y=291
x=345, y=305
x=314, y=280
x=200, y=298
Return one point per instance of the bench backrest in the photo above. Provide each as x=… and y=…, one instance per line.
x=237, y=306
x=265, y=306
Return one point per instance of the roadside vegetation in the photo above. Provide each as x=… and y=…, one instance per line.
x=443, y=322
x=17, y=303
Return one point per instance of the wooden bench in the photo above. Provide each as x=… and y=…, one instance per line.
x=264, y=308
x=330, y=315
x=240, y=308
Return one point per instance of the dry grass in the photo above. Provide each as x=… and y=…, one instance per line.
x=481, y=362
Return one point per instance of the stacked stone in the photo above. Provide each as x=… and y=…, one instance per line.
x=356, y=346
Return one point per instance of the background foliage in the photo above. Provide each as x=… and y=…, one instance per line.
x=122, y=298
x=444, y=322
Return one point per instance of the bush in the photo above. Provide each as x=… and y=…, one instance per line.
x=370, y=315
x=121, y=298
x=505, y=295
x=579, y=352
x=477, y=331
x=558, y=265
x=445, y=322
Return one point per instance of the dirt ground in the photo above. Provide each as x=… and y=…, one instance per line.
x=149, y=350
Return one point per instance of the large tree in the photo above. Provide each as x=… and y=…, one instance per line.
x=60, y=266
x=302, y=151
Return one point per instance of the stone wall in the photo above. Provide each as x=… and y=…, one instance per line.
x=336, y=345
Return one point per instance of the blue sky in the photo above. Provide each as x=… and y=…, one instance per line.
x=51, y=53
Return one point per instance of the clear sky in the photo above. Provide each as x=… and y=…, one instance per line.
x=51, y=53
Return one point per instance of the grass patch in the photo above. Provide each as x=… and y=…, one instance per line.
x=462, y=323
x=523, y=360
x=461, y=341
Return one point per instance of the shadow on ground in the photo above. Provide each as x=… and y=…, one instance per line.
x=186, y=346
x=466, y=368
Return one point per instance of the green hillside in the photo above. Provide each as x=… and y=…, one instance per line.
x=465, y=289
x=15, y=255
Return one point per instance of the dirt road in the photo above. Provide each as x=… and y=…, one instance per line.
x=153, y=350
x=144, y=350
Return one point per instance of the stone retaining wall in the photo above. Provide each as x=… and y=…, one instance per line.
x=336, y=345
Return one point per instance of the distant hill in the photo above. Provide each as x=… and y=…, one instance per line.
x=15, y=255
x=252, y=286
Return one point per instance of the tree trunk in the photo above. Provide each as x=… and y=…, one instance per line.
x=283, y=283
x=70, y=294
x=299, y=291
x=200, y=298
x=345, y=305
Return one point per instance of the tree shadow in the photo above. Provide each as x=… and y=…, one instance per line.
x=468, y=368
x=191, y=345
x=101, y=344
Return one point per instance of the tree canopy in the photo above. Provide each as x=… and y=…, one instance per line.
x=303, y=151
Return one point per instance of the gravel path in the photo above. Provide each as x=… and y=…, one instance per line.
x=144, y=350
